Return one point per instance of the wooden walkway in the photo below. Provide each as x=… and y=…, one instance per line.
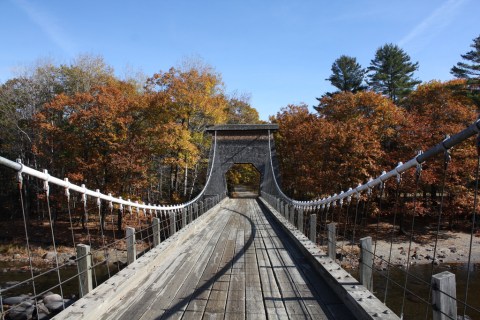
x=237, y=267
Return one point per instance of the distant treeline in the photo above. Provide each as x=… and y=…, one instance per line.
x=141, y=139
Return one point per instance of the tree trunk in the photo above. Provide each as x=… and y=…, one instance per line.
x=84, y=219
x=186, y=178
x=172, y=181
x=433, y=194
x=160, y=183
x=119, y=220
x=176, y=178
x=194, y=179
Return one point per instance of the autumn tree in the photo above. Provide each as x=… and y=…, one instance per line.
x=24, y=96
x=366, y=131
x=300, y=144
x=195, y=99
x=347, y=74
x=435, y=110
x=391, y=72
x=15, y=134
x=470, y=69
x=239, y=111
x=84, y=73
x=94, y=138
x=20, y=99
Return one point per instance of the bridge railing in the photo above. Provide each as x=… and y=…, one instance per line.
x=379, y=231
x=86, y=238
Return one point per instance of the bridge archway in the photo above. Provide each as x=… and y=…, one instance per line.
x=243, y=181
x=242, y=143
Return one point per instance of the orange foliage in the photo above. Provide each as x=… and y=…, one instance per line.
x=94, y=137
x=345, y=145
x=357, y=136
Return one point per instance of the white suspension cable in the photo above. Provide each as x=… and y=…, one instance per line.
x=421, y=157
x=48, y=179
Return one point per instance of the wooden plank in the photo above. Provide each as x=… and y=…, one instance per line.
x=286, y=276
x=153, y=299
x=237, y=267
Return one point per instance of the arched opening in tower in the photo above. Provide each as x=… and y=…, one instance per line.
x=243, y=181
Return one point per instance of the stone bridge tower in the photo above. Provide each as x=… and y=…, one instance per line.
x=243, y=143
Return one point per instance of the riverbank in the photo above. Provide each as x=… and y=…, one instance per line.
x=16, y=258
x=451, y=248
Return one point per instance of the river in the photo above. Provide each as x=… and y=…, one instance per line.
x=415, y=307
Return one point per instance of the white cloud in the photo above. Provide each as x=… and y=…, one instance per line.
x=432, y=25
x=47, y=24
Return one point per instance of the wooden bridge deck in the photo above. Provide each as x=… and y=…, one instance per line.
x=238, y=267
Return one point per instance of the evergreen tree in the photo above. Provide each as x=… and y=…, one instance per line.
x=391, y=72
x=470, y=70
x=347, y=74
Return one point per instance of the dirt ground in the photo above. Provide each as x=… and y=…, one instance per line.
x=14, y=254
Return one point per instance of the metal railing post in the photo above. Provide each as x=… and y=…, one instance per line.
x=173, y=222
x=292, y=214
x=313, y=228
x=332, y=241
x=366, y=262
x=84, y=263
x=156, y=231
x=131, y=248
x=195, y=210
x=444, y=296
x=300, y=219
x=184, y=217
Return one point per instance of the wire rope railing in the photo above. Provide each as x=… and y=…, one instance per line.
x=74, y=267
x=414, y=260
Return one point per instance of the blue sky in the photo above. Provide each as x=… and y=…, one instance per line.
x=278, y=52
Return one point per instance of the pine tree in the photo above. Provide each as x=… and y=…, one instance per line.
x=391, y=72
x=347, y=74
x=470, y=70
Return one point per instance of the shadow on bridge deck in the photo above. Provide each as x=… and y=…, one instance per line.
x=235, y=263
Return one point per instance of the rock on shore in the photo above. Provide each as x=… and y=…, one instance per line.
x=23, y=307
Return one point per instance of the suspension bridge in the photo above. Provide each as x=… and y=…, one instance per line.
x=266, y=257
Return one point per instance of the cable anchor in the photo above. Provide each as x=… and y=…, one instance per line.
x=110, y=203
x=369, y=191
x=46, y=187
x=399, y=174
x=357, y=193
x=67, y=189
x=19, y=174
x=418, y=170
x=349, y=198
x=84, y=195
x=99, y=201
x=129, y=207
x=120, y=206
x=447, y=157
